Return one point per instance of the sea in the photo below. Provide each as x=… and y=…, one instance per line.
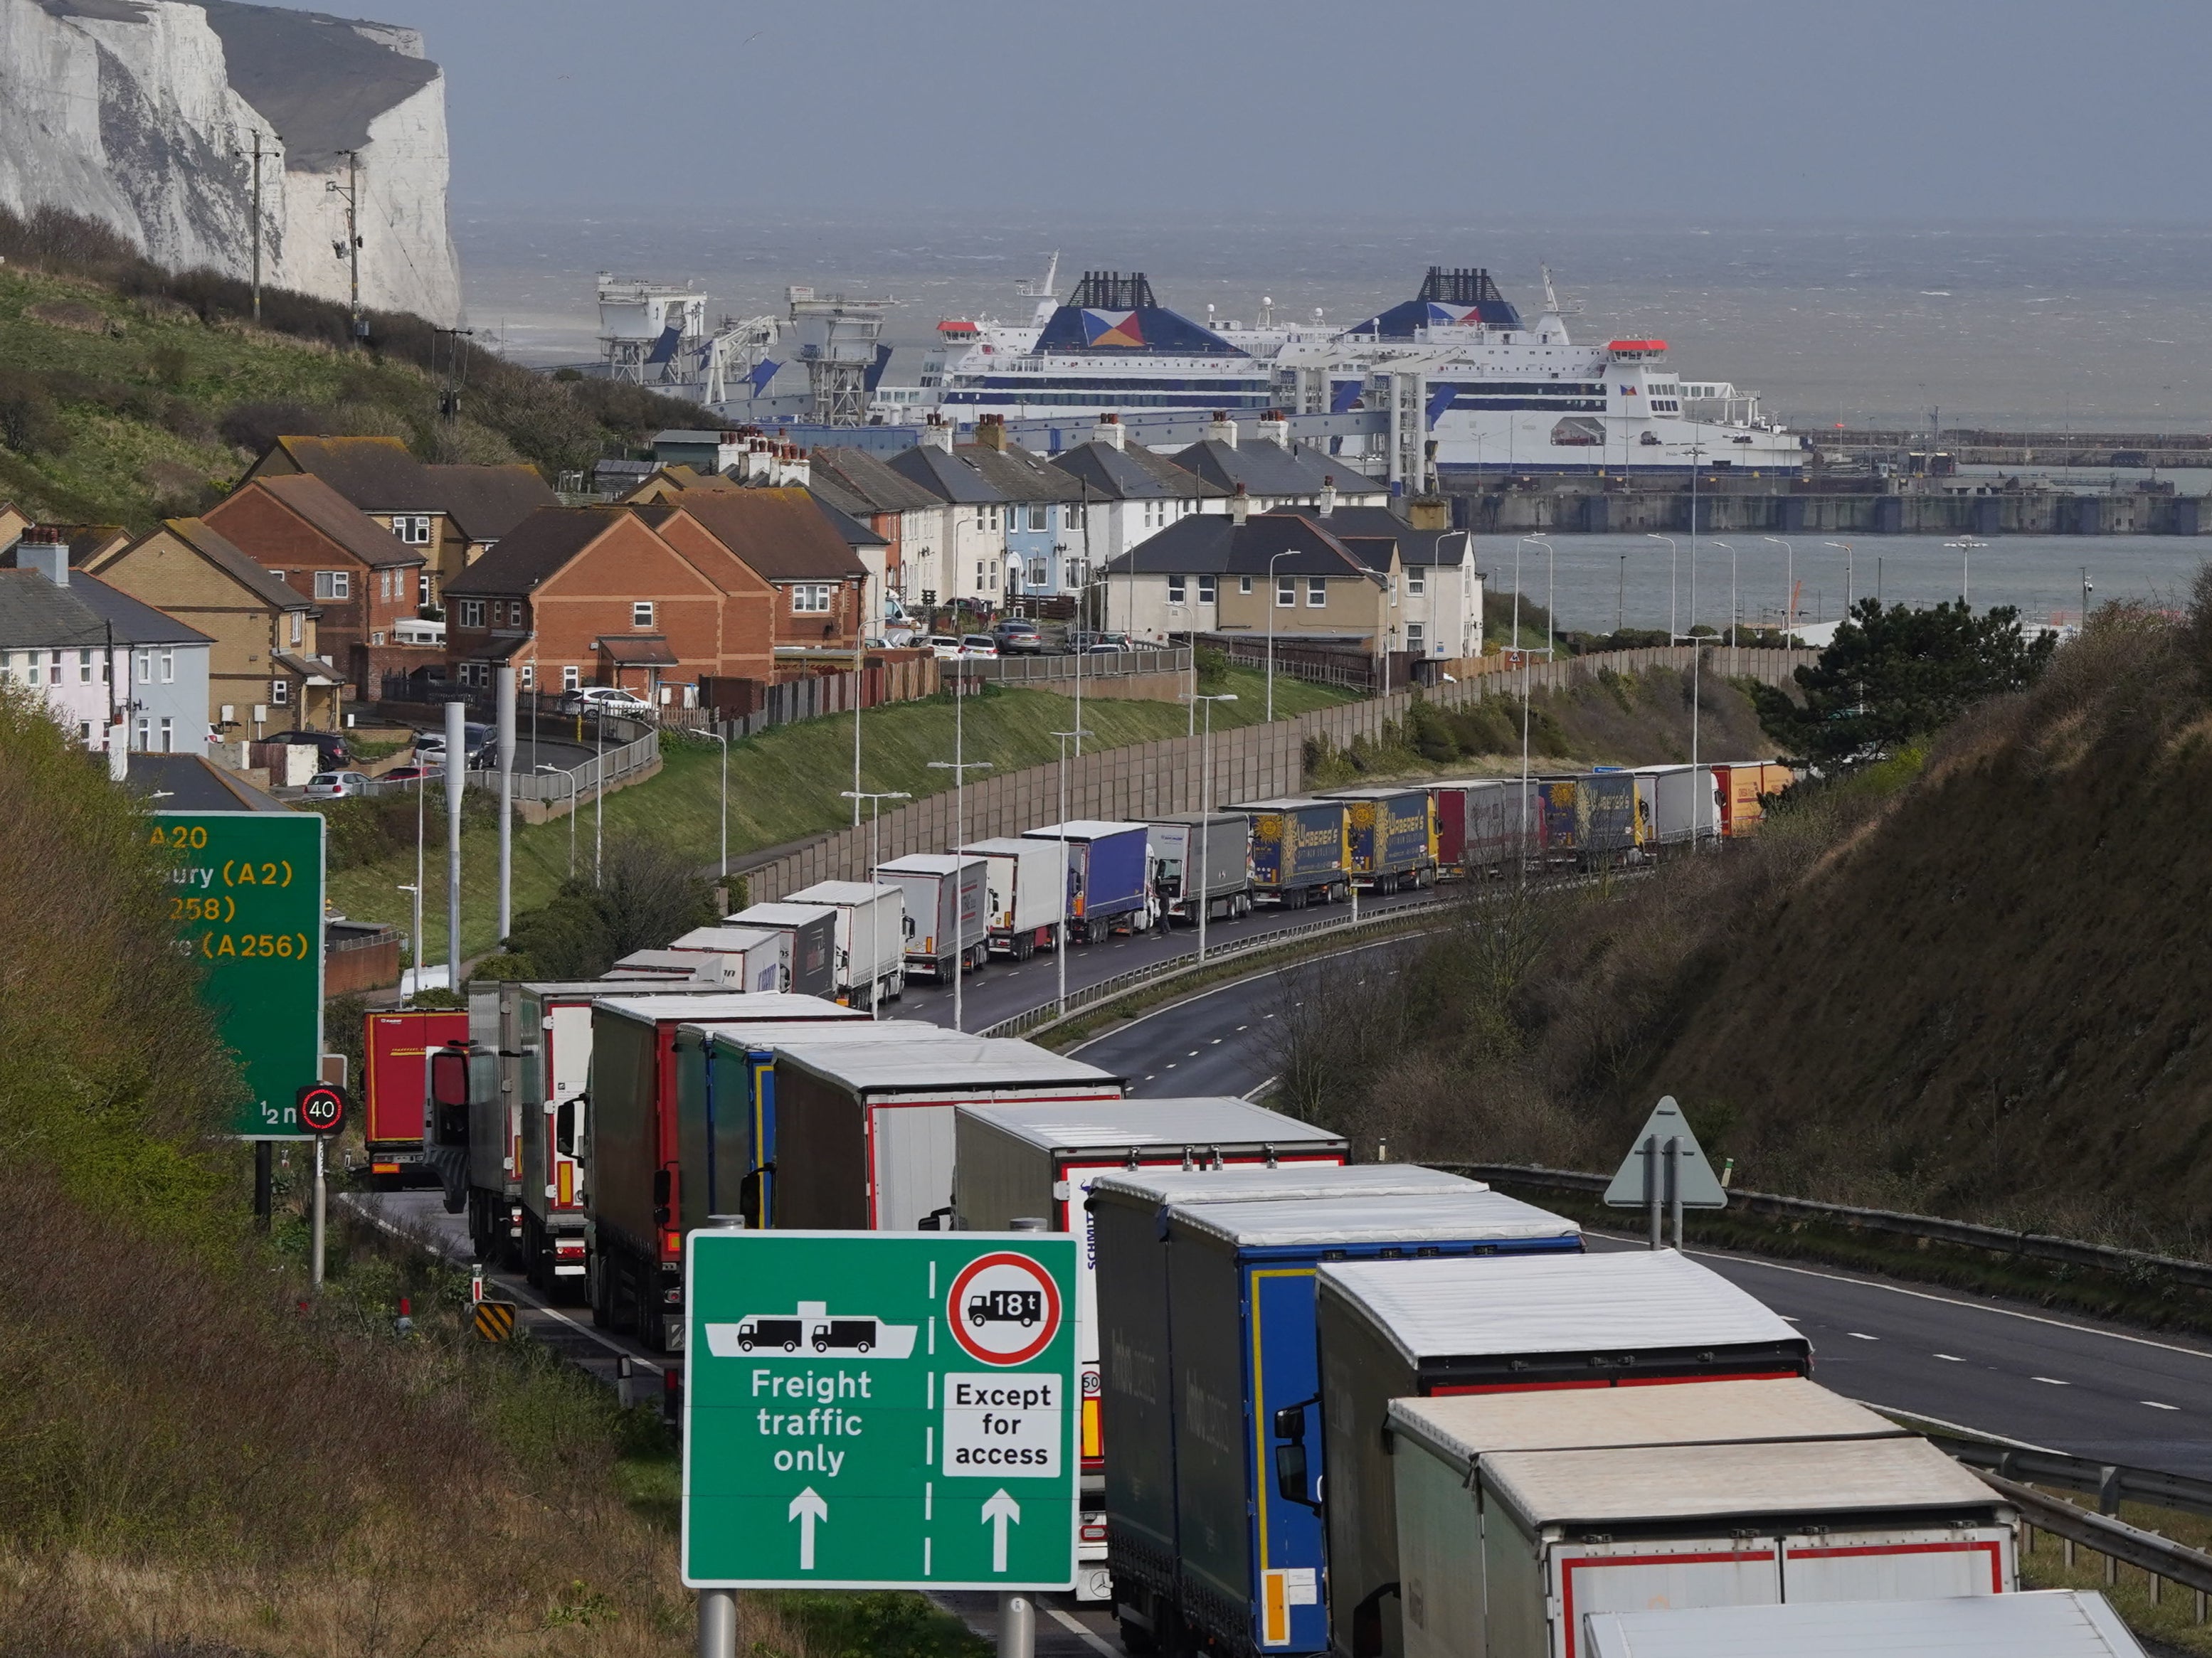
x=1924, y=328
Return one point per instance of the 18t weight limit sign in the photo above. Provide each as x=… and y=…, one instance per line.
x=895, y=1412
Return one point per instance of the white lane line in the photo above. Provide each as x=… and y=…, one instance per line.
x=1860, y=1335
x=1951, y=1301
x=1170, y=1065
x=2155, y=1405
x=1192, y=1054
x=1088, y=1636
x=1951, y=1358
x=1243, y=1027
x=1217, y=1041
x=2051, y=1380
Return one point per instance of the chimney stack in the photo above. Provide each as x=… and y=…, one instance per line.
x=43, y=550
x=1275, y=429
x=1239, y=507
x=1329, y=494
x=1109, y=432
x=936, y=434
x=1429, y=512
x=1221, y=430
x=991, y=432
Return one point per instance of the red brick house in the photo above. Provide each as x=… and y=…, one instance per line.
x=585, y=596
x=782, y=536
x=363, y=580
x=750, y=600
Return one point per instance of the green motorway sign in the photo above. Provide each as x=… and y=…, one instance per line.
x=880, y=1410
x=246, y=898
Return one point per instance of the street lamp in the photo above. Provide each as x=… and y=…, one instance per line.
x=875, y=910
x=1551, y=571
x=571, y=776
x=1060, y=946
x=1205, y=814
x=2087, y=586
x=1789, y=587
x=417, y=935
x=1274, y=602
x=1620, y=599
x=1965, y=546
x=723, y=738
x=1735, y=612
x=959, y=767
x=599, y=798
x=1850, y=592
x=1177, y=605
x=1673, y=561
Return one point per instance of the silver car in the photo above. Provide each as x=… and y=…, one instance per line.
x=336, y=785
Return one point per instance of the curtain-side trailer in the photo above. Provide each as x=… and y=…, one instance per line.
x=1245, y=1569
x=945, y=903
x=1680, y=805
x=754, y=959
x=1392, y=834
x=632, y=1170
x=1419, y=1327
x=1025, y=890
x=1109, y=878
x=1301, y=850
x=1030, y=1158
x=1202, y=855
x=812, y=929
x=1507, y=1548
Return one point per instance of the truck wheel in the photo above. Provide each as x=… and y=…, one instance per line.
x=1137, y=1642
x=598, y=1288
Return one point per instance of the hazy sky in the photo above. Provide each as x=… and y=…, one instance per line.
x=1929, y=110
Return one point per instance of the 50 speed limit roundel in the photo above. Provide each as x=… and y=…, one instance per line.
x=1004, y=1308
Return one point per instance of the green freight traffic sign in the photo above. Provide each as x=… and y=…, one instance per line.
x=880, y=1410
x=246, y=895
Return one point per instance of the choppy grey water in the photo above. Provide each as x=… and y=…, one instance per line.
x=2037, y=327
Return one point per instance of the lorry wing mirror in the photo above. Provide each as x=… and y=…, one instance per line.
x=1291, y=1471
x=449, y=1076
x=1290, y=1423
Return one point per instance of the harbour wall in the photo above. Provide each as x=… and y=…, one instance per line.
x=1570, y=508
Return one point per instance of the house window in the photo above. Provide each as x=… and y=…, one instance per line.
x=472, y=612
x=144, y=660
x=570, y=678
x=812, y=597
x=168, y=735
x=168, y=666
x=1417, y=582
x=414, y=530
x=1205, y=590
x=1316, y=593
x=280, y=693
x=333, y=583
x=1287, y=593
x=640, y=613
x=527, y=674
x=7, y=665
x=32, y=669
x=1040, y=518
x=514, y=613
x=84, y=667
x=981, y=517
x=1174, y=590
x=376, y=637
x=422, y=588
x=145, y=733
x=1413, y=632
x=1037, y=576
x=1243, y=583
x=299, y=627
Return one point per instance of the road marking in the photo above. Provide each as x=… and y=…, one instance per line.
x=1217, y=1041
x=1088, y=1636
x=1951, y=1358
x=1860, y=1335
x=1243, y=1027
x=2051, y=1380
x=2155, y=1405
x=1171, y=1065
x=1192, y=1054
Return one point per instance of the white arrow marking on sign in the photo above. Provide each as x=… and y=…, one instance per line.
x=998, y=1512
x=806, y=1508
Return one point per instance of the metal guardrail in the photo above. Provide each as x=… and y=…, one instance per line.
x=2033, y=1246
x=1041, y=1018
x=2110, y=1483
x=582, y=781
x=2159, y=1559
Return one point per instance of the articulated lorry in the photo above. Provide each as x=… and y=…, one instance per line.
x=1108, y=875
x=1201, y=856
x=395, y=1082
x=945, y=897
x=1024, y=890
x=870, y=961
x=1301, y=851
x=812, y=929
x=1393, y=835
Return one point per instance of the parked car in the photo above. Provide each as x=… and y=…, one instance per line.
x=979, y=645
x=1018, y=637
x=431, y=744
x=1091, y=643
x=945, y=647
x=418, y=773
x=332, y=744
x=607, y=698
x=336, y=785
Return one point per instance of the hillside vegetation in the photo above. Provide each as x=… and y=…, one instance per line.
x=129, y=393
x=195, y=1458
x=1969, y=980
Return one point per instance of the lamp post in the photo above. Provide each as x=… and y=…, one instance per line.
x=875, y=911
x=959, y=767
x=1736, y=613
x=1275, y=602
x=598, y=798
x=1673, y=561
x=1850, y=591
x=1789, y=586
x=1965, y=546
x=417, y=980
x=1060, y=946
x=1205, y=812
x=1175, y=604
x=2086, y=587
x=1620, y=598
x=722, y=737
x=571, y=776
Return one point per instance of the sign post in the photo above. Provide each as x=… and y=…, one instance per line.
x=246, y=899
x=1666, y=1163
x=880, y=1410
x=321, y=1110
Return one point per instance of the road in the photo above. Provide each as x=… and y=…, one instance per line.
x=2063, y=1383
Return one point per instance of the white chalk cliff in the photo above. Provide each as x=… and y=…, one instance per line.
x=142, y=113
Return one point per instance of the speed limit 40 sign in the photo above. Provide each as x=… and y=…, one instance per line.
x=322, y=1108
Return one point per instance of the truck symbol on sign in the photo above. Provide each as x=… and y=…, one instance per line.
x=810, y=1326
x=1022, y=1307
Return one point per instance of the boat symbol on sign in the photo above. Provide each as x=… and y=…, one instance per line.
x=811, y=1330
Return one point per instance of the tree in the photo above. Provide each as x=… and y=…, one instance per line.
x=1892, y=676
x=649, y=896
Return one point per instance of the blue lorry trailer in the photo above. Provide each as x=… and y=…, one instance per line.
x=1108, y=875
